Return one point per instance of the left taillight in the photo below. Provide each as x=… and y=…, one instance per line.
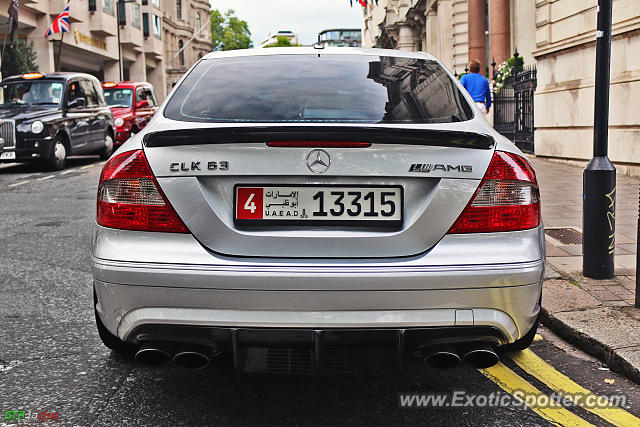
x=129, y=197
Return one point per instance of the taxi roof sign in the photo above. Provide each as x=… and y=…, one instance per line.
x=108, y=84
x=30, y=76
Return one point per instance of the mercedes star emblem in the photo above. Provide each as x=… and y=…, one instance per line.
x=318, y=161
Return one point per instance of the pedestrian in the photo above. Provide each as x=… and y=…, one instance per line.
x=478, y=86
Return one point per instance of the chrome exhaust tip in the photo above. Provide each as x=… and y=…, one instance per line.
x=442, y=357
x=152, y=354
x=194, y=357
x=483, y=356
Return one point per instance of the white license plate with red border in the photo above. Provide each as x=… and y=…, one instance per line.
x=318, y=204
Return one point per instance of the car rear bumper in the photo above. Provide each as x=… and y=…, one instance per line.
x=214, y=291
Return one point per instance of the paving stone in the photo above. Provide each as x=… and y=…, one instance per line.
x=605, y=295
x=561, y=295
x=574, y=250
x=553, y=250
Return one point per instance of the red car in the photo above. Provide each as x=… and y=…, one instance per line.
x=132, y=104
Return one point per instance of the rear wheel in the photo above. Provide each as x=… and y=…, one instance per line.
x=108, y=339
x=108, y=148
x=58, y=157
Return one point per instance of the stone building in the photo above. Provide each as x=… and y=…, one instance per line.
x=151, y=32
x=557, y=36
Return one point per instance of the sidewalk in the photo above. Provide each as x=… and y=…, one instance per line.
x=596, y=315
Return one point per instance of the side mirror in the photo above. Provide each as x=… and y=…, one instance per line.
x=76, y=103
x=142, y=104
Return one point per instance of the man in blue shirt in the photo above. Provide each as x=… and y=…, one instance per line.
x=477, y=86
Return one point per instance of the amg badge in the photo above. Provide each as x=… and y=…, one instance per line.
x=428, y=167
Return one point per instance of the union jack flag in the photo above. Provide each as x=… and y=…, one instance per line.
x=60, y=24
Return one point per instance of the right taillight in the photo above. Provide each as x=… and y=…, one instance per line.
x=129, y=197
x=506, y=200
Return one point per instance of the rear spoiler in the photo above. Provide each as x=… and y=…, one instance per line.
x=376, y=135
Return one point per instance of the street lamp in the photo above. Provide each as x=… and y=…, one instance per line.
x=599, y=179
x=118, y=3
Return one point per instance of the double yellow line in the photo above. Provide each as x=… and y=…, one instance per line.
x=532, y=364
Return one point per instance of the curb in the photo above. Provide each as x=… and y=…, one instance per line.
x=592, y=346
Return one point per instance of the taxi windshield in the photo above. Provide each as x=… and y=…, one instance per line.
x=40, y=92
x=118, y=97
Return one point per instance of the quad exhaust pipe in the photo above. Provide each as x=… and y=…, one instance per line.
x=482, y=356
x=187, y=356
x=447, y=356
x=153, y=354
x=194, y=357
x=442, y=357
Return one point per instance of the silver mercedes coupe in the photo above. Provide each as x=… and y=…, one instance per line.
x=316, y=209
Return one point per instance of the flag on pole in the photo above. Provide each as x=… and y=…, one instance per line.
x=60, y=24
x=13, y=13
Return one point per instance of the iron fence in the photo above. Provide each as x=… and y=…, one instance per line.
x=513, y=112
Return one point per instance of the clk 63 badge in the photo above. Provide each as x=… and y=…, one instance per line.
x=198, y=166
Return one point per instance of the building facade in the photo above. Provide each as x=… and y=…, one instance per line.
x=556, y=36
x=341, y=37
x=273, y=38
x=151, y=32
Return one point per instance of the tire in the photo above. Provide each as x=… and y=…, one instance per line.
x=107, y=151
x=108, y=339
x=524, y=342
x=58, y=157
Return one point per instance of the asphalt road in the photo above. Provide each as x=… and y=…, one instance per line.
x=51, y=358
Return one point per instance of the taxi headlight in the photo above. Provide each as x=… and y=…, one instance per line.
x=118, y=122
x=37, y=126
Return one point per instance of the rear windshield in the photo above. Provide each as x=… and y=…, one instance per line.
x=318, y=89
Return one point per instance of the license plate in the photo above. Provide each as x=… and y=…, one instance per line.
x=314, y=204
x=7, y=155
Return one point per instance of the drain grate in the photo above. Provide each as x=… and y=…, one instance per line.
x=566, y=236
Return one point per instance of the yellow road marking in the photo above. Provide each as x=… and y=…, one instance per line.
x=46, y=177
x=18, y=183
x=86, y=167
x=561, y=384
x=537, y=337
x=511, y=382
x=67, y=171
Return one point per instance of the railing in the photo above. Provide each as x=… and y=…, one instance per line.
x=513, y=110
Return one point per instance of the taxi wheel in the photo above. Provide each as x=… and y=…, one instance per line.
x=108, y=148
x=58, y=158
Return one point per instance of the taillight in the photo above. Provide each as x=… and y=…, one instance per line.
x=129, y=197
x=506, y=200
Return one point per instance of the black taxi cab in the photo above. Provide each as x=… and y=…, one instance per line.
x=47, y=117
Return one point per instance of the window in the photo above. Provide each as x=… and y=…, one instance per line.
x=107, y=6
x=135, y=15
x=118, y=97
x=145, y=24
x=148, y=95
x=145, y=2
x=198, y=23
x=181, y=52
x=156, y=3
x=92, y=5
x=308, y=89
x=140, y=95
x=98, y=90
x=157, y=30
x=179, y=9
x=90, y=93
